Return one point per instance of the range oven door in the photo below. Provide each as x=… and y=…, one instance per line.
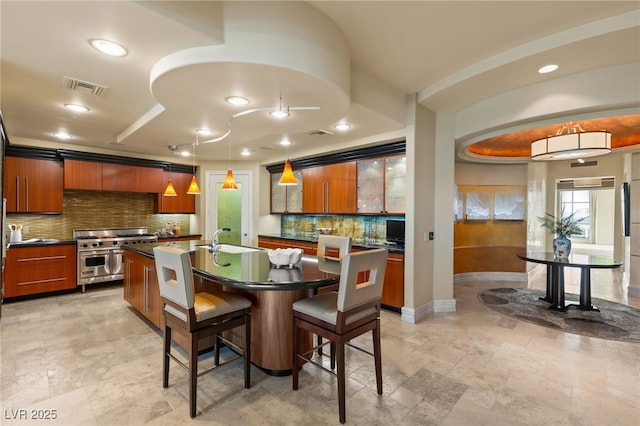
x=116, y=264
x=94, y=266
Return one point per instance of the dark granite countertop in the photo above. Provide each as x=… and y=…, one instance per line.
x=38, y=242
x=250, y=269
x=354, y=242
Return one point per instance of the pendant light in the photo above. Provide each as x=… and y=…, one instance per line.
x=169, y=190
x=194, y=189
x=287, y=175
x=229, y=183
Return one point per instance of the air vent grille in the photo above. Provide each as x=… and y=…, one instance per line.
x=585, y=164
x=320, y=132
x=84, y=86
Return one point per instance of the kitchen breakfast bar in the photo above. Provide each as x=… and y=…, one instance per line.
x=271, y=290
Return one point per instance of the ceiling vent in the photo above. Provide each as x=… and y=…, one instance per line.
x=320, y=132
x=84, y=86
x=585, y=164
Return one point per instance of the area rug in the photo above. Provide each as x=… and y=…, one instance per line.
x=615, y=321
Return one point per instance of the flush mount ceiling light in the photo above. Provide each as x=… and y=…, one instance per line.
x=204, y=132
x=62, y=135
x=76, y=107
x=571, y=141
x=342, y=127
x=237, y=100
x=109, y=47
x=548, y=68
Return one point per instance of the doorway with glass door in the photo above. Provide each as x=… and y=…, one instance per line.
x=229, y=208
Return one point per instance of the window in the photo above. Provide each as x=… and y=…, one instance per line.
x=578, y=203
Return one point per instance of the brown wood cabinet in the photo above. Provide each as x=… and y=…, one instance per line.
x=90, y=175
x=82, y=175
x=183, y=202
x=148, y=179
x=393, y=290
x=33, y=185
x=330, y=189
x=39, y=269
x=117, y=177
x=141, y=286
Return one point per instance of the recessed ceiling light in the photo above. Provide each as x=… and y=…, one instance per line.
x=76, y=107
x=548, y=68
x=279, y=114
x=62, y=135
x=245, y=152
x=204, y=132
x=285, y=142
x=185, y=153
x=342, y=127
x=108, y=47
x=237, y=100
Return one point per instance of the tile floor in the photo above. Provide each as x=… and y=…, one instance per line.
x=93, y=361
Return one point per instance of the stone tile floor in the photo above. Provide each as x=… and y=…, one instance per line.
x=93, y=361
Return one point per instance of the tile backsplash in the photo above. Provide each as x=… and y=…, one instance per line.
x=361, y=228
x=98, y=209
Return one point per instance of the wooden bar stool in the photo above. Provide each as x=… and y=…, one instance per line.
x=196, y=316
x=342, y=316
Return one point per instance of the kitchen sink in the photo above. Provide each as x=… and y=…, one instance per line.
x=228, y=248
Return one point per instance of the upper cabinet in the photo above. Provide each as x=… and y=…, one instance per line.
x=117, y=177
x=381, y=185
x=330, y=189
x=33, y=185
x=82, y=175
x=286, y=198
x=183, y=202
x=92, y=175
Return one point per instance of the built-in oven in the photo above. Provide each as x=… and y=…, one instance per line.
x=100, y=252
x=100, y=265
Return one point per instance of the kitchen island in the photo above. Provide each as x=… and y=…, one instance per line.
x=247, y=271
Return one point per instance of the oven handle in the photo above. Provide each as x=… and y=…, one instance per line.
x=115, y=261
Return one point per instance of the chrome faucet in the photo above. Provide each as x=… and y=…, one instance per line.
x=215, y=245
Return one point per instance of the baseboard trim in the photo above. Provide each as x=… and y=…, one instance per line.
x=444, y=305
x=490, y=276
x=414, y=316
x=633, y=291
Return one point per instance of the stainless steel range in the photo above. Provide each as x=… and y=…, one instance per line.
x=100, y=252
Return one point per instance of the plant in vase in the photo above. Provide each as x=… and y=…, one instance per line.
x=563, y=228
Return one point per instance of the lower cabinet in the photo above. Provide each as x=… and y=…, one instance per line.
x=142, y=292
x=141, y=286
x=393, y=290
x=39, y=269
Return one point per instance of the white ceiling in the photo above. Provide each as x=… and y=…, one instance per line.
x=356, y=60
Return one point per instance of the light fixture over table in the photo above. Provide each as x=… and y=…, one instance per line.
x=194, y=189
x=571, y=141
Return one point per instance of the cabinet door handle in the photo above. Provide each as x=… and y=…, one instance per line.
x=18, y=193
x=146, y=288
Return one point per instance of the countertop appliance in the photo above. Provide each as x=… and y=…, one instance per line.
x=100, y=252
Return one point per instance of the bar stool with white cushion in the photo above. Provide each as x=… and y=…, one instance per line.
x=342, y=316
x=196, y=316
x=327, y=247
